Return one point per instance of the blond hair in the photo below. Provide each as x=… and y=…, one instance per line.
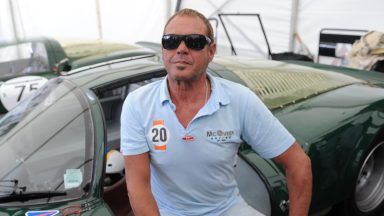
x=193, y=13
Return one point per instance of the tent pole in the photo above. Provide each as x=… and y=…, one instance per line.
x=168, y=9
x=15, y=32
x=293, y=23
x=178, y=5
x=217, y=9
x=98, y=16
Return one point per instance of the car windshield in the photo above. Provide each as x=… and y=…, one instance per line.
x=23, y=58
x=40, y=157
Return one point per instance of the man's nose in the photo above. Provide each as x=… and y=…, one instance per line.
x=182, y=48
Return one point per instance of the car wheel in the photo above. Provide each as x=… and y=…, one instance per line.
x=368, y=196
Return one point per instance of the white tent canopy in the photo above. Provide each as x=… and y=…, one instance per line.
x=132, y=21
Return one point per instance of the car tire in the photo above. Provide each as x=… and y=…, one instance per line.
x=368, y=194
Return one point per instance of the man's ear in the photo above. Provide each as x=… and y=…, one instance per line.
x=211, y=50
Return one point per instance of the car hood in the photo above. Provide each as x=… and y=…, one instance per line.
x=312, y=119
x=309, y=102
x=102, y=57
x=77, y=49
x=279, y=84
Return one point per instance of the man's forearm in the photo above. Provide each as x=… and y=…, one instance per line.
x=298, y=171
x=137, y=174
x=143, y=203
x=300, y=189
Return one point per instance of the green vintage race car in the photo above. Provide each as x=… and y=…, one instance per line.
x=27, y=64
x=57, y=145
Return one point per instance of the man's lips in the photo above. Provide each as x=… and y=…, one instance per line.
x=181, y=62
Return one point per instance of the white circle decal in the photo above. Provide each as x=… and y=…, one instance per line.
x=15, y=90
x=159, y=135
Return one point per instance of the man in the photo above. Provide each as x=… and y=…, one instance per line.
x=172, y=167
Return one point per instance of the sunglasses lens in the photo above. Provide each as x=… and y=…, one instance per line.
x=196, y=42
x=193, y=41
x=171, y=42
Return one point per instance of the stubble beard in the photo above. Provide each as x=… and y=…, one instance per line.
x=181, y=78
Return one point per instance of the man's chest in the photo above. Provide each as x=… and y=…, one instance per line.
x=205, y=137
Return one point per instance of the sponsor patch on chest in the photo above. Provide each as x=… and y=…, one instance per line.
x=220, y=135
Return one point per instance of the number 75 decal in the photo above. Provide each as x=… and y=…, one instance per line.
x=15, y=90
x=32, y=87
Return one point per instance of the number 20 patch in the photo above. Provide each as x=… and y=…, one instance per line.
x=159, y=135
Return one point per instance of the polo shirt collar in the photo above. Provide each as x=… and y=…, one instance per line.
x=218, y=95
x=164, y=93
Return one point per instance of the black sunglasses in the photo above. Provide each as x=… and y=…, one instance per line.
x=192, y=41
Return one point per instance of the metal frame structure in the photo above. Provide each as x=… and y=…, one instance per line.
x=221, y=15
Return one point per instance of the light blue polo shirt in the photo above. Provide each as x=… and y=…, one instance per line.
x=192, y=170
